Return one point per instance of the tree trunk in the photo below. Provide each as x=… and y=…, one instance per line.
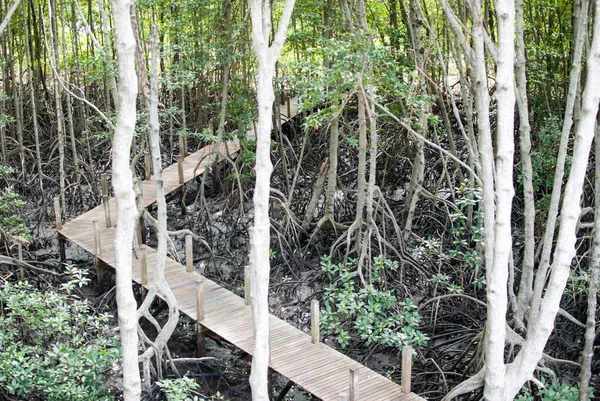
x=497, y=273
x=526, y=283
x=122, y=181
x=590, y=330
x=541, y=322
x=267, y=56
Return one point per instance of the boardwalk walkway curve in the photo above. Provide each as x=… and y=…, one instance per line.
x=317, y=368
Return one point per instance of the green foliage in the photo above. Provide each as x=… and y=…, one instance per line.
x=52, y=344
x=578, y=284
x=6, y=120
x=553, y=392
x=11, y=221
x=543, y=159
x=465, y=238
x=330, y=70
x=372, y=314
x=179, y=390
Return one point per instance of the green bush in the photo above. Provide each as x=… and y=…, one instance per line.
x=179, y=390
x=553, y=392
x=375, y=315
x=53, y=346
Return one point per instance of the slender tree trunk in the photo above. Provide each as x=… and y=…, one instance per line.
x=17, y=102
x=122, y=181
x=58, y=101
x=590, y=330
x=526, y=283
x=418, y=168
x=112, y=82
x=497, y=274
x=33, y=100
x=267, y=56
x=68, y=100
x=559, y=172
x=541, y=322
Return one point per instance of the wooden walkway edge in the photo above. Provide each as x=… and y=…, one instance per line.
x=317, y=368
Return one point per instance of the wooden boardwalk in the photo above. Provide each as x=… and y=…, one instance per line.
x=317, y=368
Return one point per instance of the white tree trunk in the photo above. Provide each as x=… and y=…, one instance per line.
x=590, y=330
x=260, y=12
x=497, y=273
x=123, y=187
x=559, y=172
x=527, y=273
x=541, y=323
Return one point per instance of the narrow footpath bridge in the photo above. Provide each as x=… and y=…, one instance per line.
x=312, y=365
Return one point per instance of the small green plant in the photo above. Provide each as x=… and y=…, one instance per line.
x=53, y=346
x=11, y=221
x=369, y=313
x=553, y=392
x=179, y=390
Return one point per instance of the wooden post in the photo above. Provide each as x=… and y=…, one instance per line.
x=105, y=201
x=247, y=285
x=189, y=254
x=270, y=383
x=97, y=261
x=353, y=390
x=289, y=109
x=406, y=369
x=20, y=253
x=343, y=396
x=200, y=330
x=97, y=243
x=62, y=247
x=147, y=166
x=144, y=273
x=314, y=321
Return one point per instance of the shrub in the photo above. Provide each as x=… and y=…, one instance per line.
x=373, y=314
x=553, y=392
x=179, y=390
x=53, y=346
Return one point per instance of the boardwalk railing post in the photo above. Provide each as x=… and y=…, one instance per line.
x=105, y=201
x=97, y=261
x=314, y=321
x=247, y=285
x=59, y=226
x=147, y=168
x=406, y=369
x=189, y=254
x=343, y=397
x=353, y=385
x=200, y=330
x=144, y=273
